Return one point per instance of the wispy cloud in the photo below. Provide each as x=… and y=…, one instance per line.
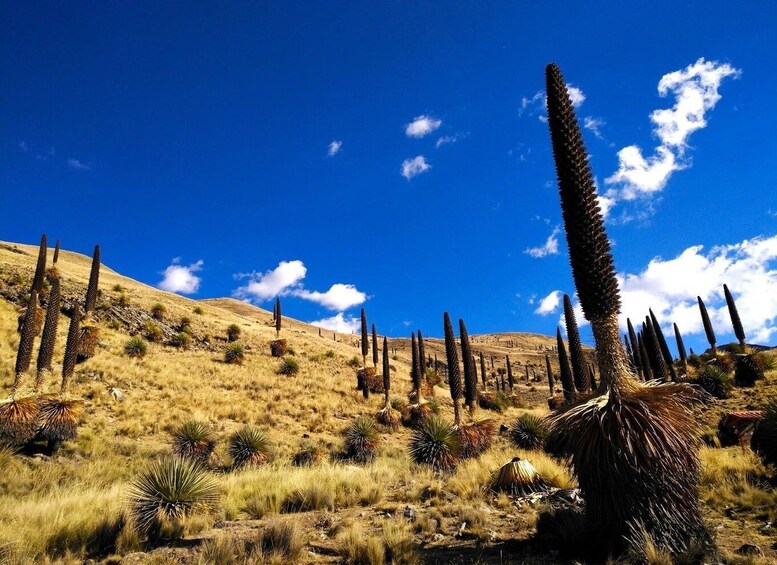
x=414, y=166
x=78, y=165
x=695, y=91
x=549, y=304
x=23, y=147
x=537, y=104
x=421, y=126
x=549, y=248
x=181, y=278
x=334, y=148
x=594, y=125
x=447, y=139
x=339, y=323
x=339, y=297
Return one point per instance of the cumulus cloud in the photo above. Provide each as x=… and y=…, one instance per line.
x=78, y=165
x=268, y=285
x=670, y=288
x=334, y=147
x=338, y=323
x=181, y=278
x=549, y=304
x=414, y=166
x=421, y=126
x=549, y=248
x=339, y=296
x=696, y=92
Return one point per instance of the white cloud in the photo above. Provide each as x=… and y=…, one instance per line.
x=78, y=165
x=576, y=95
x=549, y=248
x=414, y=166
x=180, y=278
x=421, y=126
x=594, y=125
x=670, y=288
x=338, y=323
x=445, y=139
x=339, y=296
x=334, y=147
x=264, y=286
x=695, y=90
x=549, y=304
x=537, y=104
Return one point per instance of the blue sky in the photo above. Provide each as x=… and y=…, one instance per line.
x=209, y=145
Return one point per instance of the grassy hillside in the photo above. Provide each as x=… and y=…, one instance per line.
x=73, y=506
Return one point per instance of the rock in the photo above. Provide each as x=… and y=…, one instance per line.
x=750, y=549
x=116, y=394
x=410, y=513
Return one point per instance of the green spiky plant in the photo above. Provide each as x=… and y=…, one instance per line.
x=388, y=415
x=665, y=353
x=657, y=364
x=576, y=357
x=470, y=378
x=94, y=282
x=736, y=322
x=708, y=329
x=635, y=350
x=136, y=347
x=365, y=339
x=194, y=440
x=170, y=489
x=361, y=440
x=529, y=432
x=715, y=382
x=633, y=448
x=233, y=332
x=454, y=376
x=681, y=349
x=374, y=347
x=40, y=266
x=278, y=318
x=49, y=337
x=565, y=371
x=250, y=446
x=158, y=311
x=436, y=444
x=234, y=353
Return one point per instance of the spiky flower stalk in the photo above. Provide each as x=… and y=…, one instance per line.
x=705, y=319
x=657, y=364
x=26, y=342
x=56, y=253
x=71, y=347
x=629, y=351
x=470, y=378
x=365, y=337
x=565, y=371
x=647, y=372
x=415, y=367
x=483, y=371
x=94, y=281
x=739, y=331
x=663, y=345
x=575, y=348
x=46, y=351
x=454, y=376
x=635, y=348
x=632, y=448
x=681, y=348
x=510, y=379
x=421, y=354
x=386, y=372
x=549, y=370
x=374, y=347
x=40, y=267
x=278, y=318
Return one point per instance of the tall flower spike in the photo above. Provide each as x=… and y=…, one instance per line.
x=278, y=318
x=374, y=347
x=386, y=371
x=454, y=375
x=663, y=345
x=705, y=319
x=71, y=347
x=579, y=371
x=46, y=351
x=635, y=348
x=94, y=282
x=681, y=348
x=483, y=377
x=470, y=378
x=565, y=371
x=40, y=267
x=365, y=338
x=56, y=252
x=26, y=342
x=415, y=367
x=549, y=370
x=739, y=331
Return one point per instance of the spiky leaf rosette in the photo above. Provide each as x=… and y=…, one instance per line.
x=46, y=351
x=635, y=457
x=705, y=320
x=764, y=441
x=415, y=367
x=529, y=432
x=194, y=440
x=519, y=478
x=736, y=322
x=71, y=347
x=575, y=347
x=666, y=354
x=747, y=370
x=549, y=370
x=715, y=382
x=374, y=347
x=470, y=378
x=94, y=282
x=657, y=365
x=18, y=420
x=250, y=446
x=27, y=340
x=278, y=317
x=680, y=347
x=361, y=440
x=635, y=348
x=565, y=371
x=170, y=489
x=483, y=371
x=454, y=376
x=365, y=335
x=436, y=444
x=40, y=267
x=386, y=370
x=59, y=419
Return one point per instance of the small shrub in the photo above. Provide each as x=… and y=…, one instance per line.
x=123, y=300
x=198, y=310
x=234, y=354
x=170, y=489
x=282, y=539
x=136, y=347
x=118, y=288
x=152, y=331
x=361, y=440
x=436, y=444
x=250, y=446
x=194, y=440
x=308, y=454
x=233, y=332
x=181, y=340
x=185, y=323
x=329, y=354
x=158, y=311
x=529, y=432
x=288, y=367
x=354, y=362
x=715, y=382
